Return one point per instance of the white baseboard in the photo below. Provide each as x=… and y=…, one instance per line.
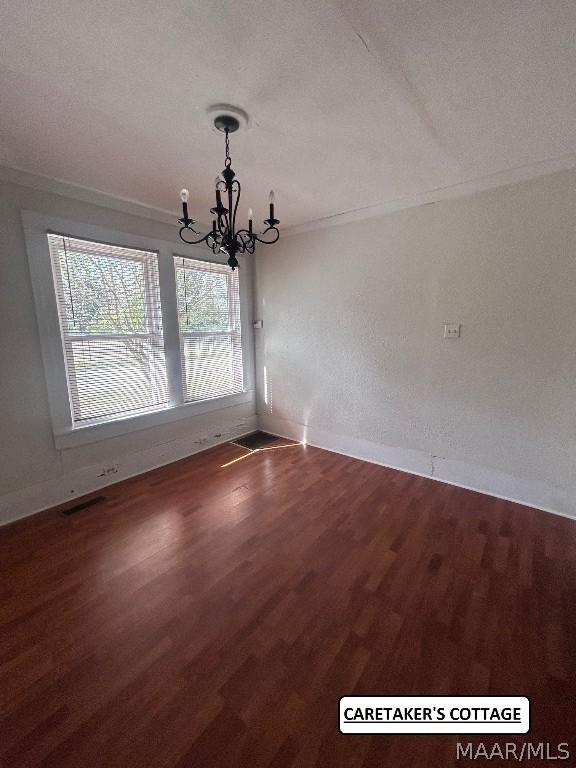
x=463, y=474
x=58, y=490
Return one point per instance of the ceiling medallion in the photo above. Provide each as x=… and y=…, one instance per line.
x=224, y=237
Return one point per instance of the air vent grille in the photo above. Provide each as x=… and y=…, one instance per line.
x=256, y=440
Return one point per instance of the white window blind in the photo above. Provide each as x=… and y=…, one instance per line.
x=111, y=324
x=209, y=321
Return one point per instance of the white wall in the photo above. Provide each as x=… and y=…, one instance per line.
x=33, y=474
x=353, y=351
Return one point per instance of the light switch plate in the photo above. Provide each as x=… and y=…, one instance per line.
x=451, y=330
x=258, y=324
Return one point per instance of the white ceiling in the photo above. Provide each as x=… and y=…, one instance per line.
x=353, y=103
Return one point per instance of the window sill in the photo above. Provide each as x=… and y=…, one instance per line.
x=93, y=433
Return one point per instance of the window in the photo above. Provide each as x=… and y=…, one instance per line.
x=111, y=325
x=133, y=336
x=209, y=323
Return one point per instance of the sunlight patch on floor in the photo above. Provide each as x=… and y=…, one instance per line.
x=257, y=450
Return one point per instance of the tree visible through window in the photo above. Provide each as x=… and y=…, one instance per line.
x=111, y=323
x=209, y=321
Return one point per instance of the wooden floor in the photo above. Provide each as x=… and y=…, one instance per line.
x=211, y=614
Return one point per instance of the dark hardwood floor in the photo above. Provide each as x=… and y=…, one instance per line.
x=212, y=613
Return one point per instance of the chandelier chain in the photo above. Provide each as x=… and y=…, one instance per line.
x=228, y=158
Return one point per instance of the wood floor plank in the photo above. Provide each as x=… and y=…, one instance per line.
x=212, y=613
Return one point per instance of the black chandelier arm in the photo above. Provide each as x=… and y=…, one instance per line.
x=267, y=242
x=194, y=242
x=232, y=205
x=238, y=190
x=187, y=224
x=220, y=211
x=245, y=241
x=223, y=223
x=244, y=235
x=227, y=218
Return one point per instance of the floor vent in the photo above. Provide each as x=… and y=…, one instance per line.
x=83, y=505
x=255, y=440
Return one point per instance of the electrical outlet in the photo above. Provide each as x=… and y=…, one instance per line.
x=451, y=330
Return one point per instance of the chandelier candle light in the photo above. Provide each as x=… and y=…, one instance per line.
x=224, y=237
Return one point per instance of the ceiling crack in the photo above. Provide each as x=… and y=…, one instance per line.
x=395, y=67
x=364, y=42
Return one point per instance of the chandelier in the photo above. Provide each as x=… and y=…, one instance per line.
x=224, y=237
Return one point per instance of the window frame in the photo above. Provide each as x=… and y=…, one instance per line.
x=66, y=435
x=199, y=334
x=68, y=337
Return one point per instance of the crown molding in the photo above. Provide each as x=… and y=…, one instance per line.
x=492, y=181
x=462, y=189
x=86, y=194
